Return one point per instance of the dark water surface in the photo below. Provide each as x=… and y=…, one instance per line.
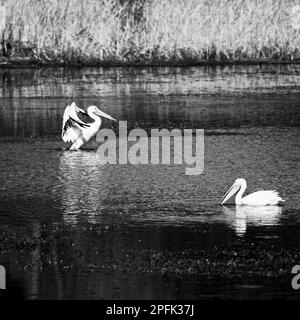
x=71, y=228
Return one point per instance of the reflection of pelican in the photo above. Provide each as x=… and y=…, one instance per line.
x=79, y=126
x=259, y=198
x=82, y=177
x=242, y=216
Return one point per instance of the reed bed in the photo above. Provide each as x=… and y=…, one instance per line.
x=151, y=31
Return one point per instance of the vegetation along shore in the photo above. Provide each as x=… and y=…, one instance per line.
x=148, y=32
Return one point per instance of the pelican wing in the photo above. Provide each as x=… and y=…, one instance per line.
x=79, y=114
x=72, y=130
x=83, y=116
x=263, y=198
x=72, y=126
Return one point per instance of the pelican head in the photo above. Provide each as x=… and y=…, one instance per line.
x=99, y=113
x=238, y=184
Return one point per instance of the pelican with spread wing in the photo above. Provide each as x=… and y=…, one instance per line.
x=258, y=198
x=80, y=126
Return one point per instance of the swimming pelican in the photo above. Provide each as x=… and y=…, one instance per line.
x=258, y=198
x=79, y=126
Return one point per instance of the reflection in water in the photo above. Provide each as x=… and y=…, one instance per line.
x=240, y=217
x=81, y=176
x=87, y=82
x=36, y=264
x=140, y=219
x=32, y=101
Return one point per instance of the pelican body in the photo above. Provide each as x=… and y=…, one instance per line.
x=80, y=126
x=258, y=198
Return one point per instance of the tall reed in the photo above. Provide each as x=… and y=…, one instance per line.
x=152, y=31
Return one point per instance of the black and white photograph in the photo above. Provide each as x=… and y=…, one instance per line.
x=149, y=151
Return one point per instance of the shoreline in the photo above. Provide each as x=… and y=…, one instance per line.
x=33, y=63
x=149, y=33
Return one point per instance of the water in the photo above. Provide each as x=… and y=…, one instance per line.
x=72, y=228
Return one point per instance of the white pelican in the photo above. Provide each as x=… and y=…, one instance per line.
x=258, y=198
x=79, y=126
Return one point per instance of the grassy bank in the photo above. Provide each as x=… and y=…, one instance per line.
x=150, y=31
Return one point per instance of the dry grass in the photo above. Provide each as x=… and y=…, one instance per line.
x=151, y=31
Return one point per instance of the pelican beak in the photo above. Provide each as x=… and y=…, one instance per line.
x=231, y=191
x=105, y=115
